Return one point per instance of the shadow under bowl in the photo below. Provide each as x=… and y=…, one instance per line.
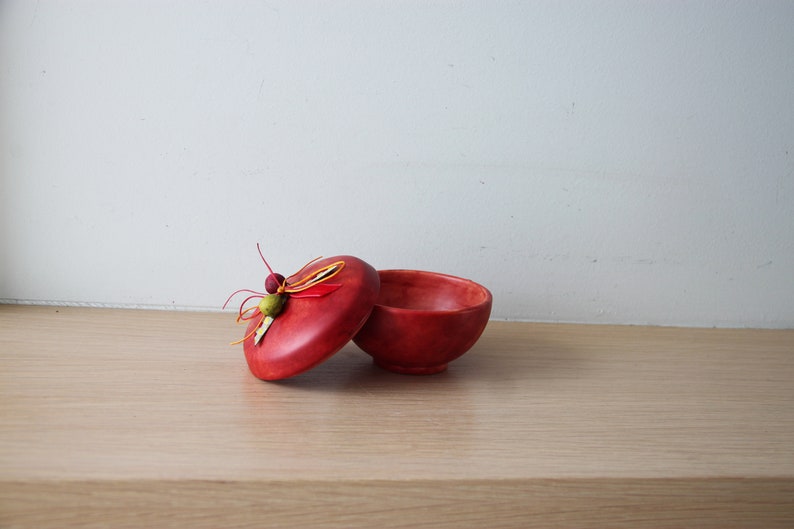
x=423, y=320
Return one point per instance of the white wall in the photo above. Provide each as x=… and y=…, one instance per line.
x=628, y=162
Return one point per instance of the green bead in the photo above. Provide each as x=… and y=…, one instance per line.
x=272, y=304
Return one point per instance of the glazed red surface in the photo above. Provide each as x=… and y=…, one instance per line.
x=423, y=320
x=417, y=290
x=310, y=330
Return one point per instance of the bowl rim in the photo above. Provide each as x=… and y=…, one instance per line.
x=470, y=308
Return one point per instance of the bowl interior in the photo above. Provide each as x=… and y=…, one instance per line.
x=428, y=291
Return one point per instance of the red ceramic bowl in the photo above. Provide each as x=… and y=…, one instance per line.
x=423, y=320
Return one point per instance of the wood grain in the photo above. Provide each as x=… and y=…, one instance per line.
x=147, y=418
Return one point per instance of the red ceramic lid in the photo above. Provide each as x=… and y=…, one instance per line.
x=310, y=330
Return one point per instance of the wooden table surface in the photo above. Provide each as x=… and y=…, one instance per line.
x=131, y=418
